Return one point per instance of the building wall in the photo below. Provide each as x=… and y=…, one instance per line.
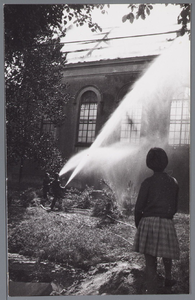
x=110, y=80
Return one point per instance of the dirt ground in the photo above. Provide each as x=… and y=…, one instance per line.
x=125, y=276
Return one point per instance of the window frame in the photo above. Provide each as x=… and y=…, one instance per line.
x=182, y=120
x=130, y=134
x=87, y=122
x=86, y=144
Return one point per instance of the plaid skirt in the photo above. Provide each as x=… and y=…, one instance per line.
x=157, y=237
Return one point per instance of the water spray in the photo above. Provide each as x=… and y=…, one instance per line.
x=154, y=91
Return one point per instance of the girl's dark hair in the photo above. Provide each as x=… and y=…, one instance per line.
x=156, y=159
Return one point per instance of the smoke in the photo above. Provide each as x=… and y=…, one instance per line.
x=119, y=162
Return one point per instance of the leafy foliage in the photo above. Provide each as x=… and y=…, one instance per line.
x=143, y=10
x=81, y=14
x=137, y=11
x=29, y=25
x=61, y=241
x=35, y=94
x=102, y=202
x=77, y=199
x=39, y=97
x=184, y=17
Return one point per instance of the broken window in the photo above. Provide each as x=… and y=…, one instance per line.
x=131, y=125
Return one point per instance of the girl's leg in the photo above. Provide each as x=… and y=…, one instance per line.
x=168, y=267
x=151, y=274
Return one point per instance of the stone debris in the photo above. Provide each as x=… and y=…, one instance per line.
x=108, y=279
x=29, y=288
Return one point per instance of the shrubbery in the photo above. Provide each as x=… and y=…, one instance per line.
x=60, y=241
x=29, y=196
x=76, y=198
x=101, y=204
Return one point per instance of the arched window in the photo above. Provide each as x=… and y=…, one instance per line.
x=131, y=125
x=87, y=117
x=179, y=130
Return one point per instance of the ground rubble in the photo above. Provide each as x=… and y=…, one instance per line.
x=116, y=278
x=33, y=276
x=119, y=278
x=35, y=270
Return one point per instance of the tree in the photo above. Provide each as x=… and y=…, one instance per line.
x=33, y=72
x=34, y=98
x=184, y=17
x=142, y=10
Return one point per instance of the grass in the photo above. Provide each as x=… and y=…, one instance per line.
x=62, y=240
x=77, y=240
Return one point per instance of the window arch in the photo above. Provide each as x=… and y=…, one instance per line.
x=88, y=112
x=179, y=128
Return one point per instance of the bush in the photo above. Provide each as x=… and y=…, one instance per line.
x=128, y=200
x=127, y=207
x=85, y=199
x=99, y=208
x=24, y=198
x=103, y=208
x=60, y=241
x=77, y=199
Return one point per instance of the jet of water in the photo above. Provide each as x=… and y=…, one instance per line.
x=154, y=91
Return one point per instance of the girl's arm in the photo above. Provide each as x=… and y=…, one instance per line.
x=176, y=201
x=141, y=202
x=177, y=195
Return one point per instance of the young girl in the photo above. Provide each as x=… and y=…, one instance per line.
x=154, y=210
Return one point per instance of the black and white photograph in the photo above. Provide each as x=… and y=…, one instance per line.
x=98, y=130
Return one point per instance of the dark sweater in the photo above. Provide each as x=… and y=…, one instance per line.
x=56, y=188
x=158, y=197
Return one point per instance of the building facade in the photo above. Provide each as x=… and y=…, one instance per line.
x=97, y=85
x=97, y=89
